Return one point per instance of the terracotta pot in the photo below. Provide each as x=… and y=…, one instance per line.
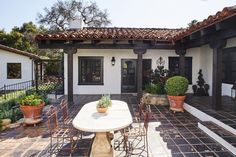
x=34, y=112
x=176, y=103
x=102, y=109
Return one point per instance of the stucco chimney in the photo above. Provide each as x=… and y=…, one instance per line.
x=77, y=23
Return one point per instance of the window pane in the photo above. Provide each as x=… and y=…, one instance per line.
x=175, y=69
x=90, y=70
x=229, y=67
x=13, y=70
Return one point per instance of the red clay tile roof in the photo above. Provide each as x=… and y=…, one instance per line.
x=113, y=33
x=226, y=13
x=139, y=33
x=27, y=54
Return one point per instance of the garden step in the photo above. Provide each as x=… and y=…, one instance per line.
x=224, y=137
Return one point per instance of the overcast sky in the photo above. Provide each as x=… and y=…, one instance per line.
x=123, y=13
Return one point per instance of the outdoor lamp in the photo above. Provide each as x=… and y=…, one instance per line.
x=113, y=61
x=233, y=91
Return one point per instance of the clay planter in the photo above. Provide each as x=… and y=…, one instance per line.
x=176, y=103
x=102, y=109
x=33, y=112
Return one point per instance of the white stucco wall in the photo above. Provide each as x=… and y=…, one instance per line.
x=206, y=64
x=9, y=57
x=112, y=74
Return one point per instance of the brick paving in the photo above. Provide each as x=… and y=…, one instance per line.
x=169, y=134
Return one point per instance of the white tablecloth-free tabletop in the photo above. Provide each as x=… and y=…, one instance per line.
x=117, y=117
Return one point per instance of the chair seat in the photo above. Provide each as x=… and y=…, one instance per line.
x=135, y=131
x=65, y=132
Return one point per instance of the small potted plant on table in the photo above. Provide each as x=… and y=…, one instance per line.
x=31, y=107
x=176, y=87
x=103, y=104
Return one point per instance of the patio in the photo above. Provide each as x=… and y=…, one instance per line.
x=169, y=134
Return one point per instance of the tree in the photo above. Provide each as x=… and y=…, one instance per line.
x=58, y=16
x=22, y=38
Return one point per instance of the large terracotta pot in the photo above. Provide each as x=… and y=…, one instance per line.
x=176, y=103
x=102, y=109
x=34, y=112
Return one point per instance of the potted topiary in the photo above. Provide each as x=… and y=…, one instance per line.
x=176, y=87
x=103, y=104
x=31, y=107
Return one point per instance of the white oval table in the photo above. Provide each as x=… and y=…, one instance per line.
x=88, y=119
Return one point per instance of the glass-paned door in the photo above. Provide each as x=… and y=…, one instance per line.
x=129, y=74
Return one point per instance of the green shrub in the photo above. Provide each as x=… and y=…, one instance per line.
x=158, y=88
x=176, y=86
x=151, y=88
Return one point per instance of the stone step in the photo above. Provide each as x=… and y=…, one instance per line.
x=224, y=137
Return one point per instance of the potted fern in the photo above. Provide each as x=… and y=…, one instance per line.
x=176, y=87
x=103, y=104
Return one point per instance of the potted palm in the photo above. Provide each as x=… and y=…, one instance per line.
x=103, y=104
x=32, y=106
x=176, y=87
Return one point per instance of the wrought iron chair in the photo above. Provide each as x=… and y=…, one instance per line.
x=66, y=119
x=135, y=137
x=62, y=135
x=65, y=113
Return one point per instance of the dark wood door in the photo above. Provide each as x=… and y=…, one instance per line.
x=129, y=74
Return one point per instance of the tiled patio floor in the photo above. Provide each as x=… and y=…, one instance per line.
x=170, y=134
x=226, y=115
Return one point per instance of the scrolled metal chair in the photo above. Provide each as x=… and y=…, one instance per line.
x=66, y=118
x=60, y=133
x=135, y=137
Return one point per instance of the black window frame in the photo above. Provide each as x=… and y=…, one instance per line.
x=79, y=69
x=8, y=76
x=187, y=58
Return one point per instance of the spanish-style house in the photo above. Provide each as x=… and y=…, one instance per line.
x=16, y=66
x=117, y=60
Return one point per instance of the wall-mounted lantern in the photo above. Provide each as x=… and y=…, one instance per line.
x=233, y=91
x=113, y=61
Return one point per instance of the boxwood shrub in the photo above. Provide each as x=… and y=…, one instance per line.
x=176, y=86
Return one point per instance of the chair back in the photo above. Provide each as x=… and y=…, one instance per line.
x=146, y=119
x=52, y=119
x=64, y=109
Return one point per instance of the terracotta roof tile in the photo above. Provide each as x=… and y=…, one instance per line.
x=226, y=13
x=157, y=34
x=24, y=53
x=113, y=33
